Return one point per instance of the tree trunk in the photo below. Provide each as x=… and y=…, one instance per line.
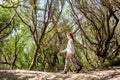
x=34, y=59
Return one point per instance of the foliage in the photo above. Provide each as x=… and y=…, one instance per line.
x=32, y=33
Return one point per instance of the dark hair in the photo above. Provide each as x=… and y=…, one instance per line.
x=71, y=35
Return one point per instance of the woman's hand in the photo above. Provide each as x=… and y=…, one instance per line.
x=60, y=52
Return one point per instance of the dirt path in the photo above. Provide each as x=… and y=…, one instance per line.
x=106, y=74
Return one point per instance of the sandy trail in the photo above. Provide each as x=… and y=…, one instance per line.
x=106, y=74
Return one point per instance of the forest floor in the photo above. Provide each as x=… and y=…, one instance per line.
x=99, y=74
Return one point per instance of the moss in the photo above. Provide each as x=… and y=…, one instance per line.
x=111, y=62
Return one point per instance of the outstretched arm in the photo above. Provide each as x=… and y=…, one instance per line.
x=65, y=50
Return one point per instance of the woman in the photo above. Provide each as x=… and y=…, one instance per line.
x=70, y=51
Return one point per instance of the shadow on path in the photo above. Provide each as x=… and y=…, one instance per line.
x=5, y=75
x=105, y=74
x=112, y=76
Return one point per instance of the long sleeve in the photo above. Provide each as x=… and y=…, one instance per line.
x=70, y=44
x=65, y=50
x=70, y=47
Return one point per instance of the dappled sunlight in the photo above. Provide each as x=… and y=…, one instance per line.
x=39, y=39
x=103, y=74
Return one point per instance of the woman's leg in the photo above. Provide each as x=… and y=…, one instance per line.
x=66, y=64
x=74, y=63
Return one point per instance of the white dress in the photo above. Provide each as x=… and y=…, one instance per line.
x=70, y=47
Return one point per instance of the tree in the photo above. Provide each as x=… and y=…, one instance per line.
x=97, y=21
x=38, y=28
x=35, y=31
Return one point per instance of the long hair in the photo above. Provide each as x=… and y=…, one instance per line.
x=71, y=35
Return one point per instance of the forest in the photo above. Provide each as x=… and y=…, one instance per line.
x=33, y=32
